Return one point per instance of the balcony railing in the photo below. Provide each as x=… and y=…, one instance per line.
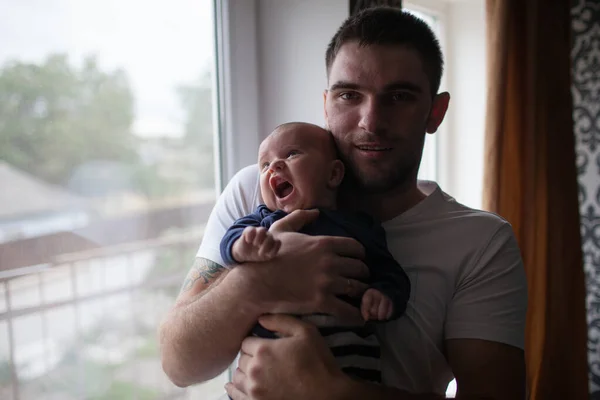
x=83, y=326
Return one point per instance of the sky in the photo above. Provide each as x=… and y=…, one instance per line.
x=160, y=44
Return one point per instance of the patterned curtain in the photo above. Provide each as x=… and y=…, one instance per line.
x=585, y=57
x=358, y=5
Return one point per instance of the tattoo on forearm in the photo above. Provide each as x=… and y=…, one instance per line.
x=202, y=269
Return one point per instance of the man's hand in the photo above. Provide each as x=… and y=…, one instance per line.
x=308, y=273
x=256, y=244
x=376, y=306
x=298, y=365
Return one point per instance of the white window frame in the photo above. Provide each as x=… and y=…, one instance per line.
x=459, y=149
x=237, y=82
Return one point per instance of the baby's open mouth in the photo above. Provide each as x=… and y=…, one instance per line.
x=283, y=189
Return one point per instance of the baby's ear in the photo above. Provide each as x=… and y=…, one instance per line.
x=337, y=174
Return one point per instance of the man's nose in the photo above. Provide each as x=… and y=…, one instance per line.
x=372, y=117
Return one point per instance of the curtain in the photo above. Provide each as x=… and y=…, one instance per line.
x=530, y=179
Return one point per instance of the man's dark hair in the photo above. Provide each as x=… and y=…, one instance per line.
x=391, y=26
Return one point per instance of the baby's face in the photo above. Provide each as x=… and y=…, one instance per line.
x=295, y=164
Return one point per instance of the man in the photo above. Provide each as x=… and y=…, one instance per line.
x=466, y=314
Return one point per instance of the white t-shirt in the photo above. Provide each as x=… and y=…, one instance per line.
x=467, y=279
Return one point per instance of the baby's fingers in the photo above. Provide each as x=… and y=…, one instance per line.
x=249, y=234
x=365, y=307
x=261, y=235
x=384, y=312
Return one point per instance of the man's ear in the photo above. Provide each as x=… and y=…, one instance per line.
x=438, y=111
x=337, y=174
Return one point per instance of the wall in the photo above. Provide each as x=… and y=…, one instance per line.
x=271, y=70
x=293, y=36
x=585, y=56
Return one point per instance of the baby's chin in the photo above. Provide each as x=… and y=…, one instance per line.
x=290, y=207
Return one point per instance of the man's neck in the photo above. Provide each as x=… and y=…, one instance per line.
x=385, y=205
x=388, y=205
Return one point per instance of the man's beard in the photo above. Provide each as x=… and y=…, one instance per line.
x=381, y=181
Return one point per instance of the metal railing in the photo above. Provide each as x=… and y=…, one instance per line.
x=84, y=326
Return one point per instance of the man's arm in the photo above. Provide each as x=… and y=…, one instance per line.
x=197, y=341
x=306, y=368
x=484, y=370
x=204, y=331
x=487, y=370
x=490, y=303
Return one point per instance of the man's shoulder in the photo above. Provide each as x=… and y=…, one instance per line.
x=476, y=216
x=241, y=196
x=474, y=220
x=456, y=230
x=247, y=177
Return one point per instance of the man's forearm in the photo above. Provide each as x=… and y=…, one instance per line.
x=202, y=336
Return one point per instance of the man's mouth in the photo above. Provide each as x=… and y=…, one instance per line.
x=281, y=187
x=366, y=147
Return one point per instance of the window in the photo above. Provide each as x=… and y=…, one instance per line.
x=429, y=163
x=458, y=145
x=108, y=174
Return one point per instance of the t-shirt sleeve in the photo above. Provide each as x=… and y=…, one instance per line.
x=239, y=198
x=490, y=302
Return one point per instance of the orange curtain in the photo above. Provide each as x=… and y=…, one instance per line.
x=531, y=180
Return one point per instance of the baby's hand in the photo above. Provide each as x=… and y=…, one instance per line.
x=255, y=244
x=376, y=306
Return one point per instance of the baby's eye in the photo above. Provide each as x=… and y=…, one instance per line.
x=265, y=165
x=293, y=153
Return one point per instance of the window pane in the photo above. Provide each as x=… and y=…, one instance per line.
x=428, y=168
x=108, y=177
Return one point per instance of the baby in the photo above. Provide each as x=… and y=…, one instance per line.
x=299, y=169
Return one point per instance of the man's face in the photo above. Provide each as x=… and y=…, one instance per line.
x=378, y=107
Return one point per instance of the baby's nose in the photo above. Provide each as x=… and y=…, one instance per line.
x=276, y=165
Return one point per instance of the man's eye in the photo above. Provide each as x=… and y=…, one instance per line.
x=349, y=95
x=402, y=96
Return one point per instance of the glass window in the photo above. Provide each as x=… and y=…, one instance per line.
x=107, y=176
x=429, y=162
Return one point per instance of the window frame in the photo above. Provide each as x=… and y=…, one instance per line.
x=237, y=114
